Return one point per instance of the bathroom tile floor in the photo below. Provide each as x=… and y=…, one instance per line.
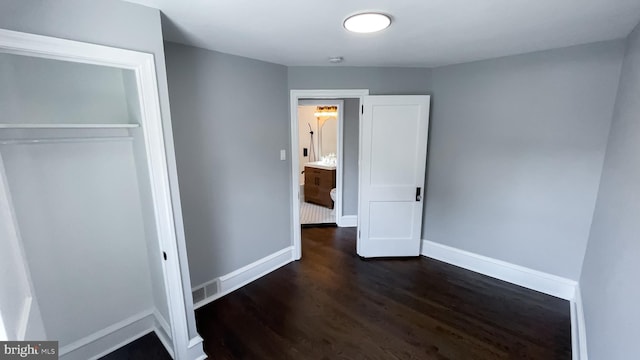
x=315, y=214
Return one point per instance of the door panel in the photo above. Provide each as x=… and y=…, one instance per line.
x=393, y=152
x=394, y=125
x=389, y=220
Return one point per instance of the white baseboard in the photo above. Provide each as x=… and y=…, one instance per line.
x=195, y=350
x=163, y=331
x=533, y=279
x=110, y=338
x=117, y=335
x=578, y=328
x=162, y=322
x=348, y=221
x=225, y=284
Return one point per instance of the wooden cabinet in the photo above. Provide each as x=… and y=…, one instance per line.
x=318, y=184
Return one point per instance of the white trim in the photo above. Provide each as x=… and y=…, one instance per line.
x=37, y=141
x=113, y=348
x=164, y=339
x=19, y=43
x=245, y=275
x=575, y=348
x=101, y=343
x=32, y=324
x=69, y=126
x=295, y=95
x=162, y=322
x=340, y=163
x=195, y=341
x=330, y=93
x=163, y=332
x=120, y=329
x=3, y=331
x=578, y=328
x=533, y=279
x=347, y=220
x=161, y=196
x=24, y=318
x=195, y=351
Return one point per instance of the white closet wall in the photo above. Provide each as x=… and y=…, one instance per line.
x=80, y=217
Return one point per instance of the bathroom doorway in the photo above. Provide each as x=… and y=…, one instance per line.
x=348, y=104
x=319, y=125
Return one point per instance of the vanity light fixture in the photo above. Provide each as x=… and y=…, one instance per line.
x=326, y=111
x=367, y=22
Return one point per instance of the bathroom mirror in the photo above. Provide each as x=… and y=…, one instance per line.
x=327, y=120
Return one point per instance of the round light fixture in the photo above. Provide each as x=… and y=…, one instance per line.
x=367, y=22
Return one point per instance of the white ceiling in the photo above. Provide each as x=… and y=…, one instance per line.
x=423, y=33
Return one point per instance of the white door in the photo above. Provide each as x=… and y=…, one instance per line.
x=393, y=156
x=19, y=312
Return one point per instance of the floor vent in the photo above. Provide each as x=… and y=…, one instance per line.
x=198, y=295
x=211, y=289
x=206, y=291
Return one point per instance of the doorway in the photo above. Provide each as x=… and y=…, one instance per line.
x=320, y=159
x=301, y=138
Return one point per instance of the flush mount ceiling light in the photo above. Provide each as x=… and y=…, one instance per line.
x=367, y=22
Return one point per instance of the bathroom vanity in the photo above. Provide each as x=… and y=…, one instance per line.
x=319, y=179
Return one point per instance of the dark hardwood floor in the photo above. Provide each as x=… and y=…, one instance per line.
x=147, y=347
x=334, y=305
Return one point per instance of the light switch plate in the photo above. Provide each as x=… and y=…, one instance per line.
x=283, y=154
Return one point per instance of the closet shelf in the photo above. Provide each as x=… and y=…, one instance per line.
x=68, y=126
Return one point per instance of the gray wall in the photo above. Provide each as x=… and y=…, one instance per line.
x=112, y=23
x=516, y=149
x=379, y=80
x=609, y=281
x=230, y=121
x=351, y=138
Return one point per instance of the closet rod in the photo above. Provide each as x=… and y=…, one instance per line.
x=64, y=140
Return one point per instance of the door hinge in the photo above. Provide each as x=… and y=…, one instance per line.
x=164, y=255
x=362, y=109
x=358, y=234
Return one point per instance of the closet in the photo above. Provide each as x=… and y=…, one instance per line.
x=91, y=257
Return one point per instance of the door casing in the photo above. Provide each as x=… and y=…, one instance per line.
x=296, y=95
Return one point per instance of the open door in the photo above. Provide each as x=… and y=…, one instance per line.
x=19, y=311
x=393, y=156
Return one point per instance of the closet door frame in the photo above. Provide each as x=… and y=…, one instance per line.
x=143, y=65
